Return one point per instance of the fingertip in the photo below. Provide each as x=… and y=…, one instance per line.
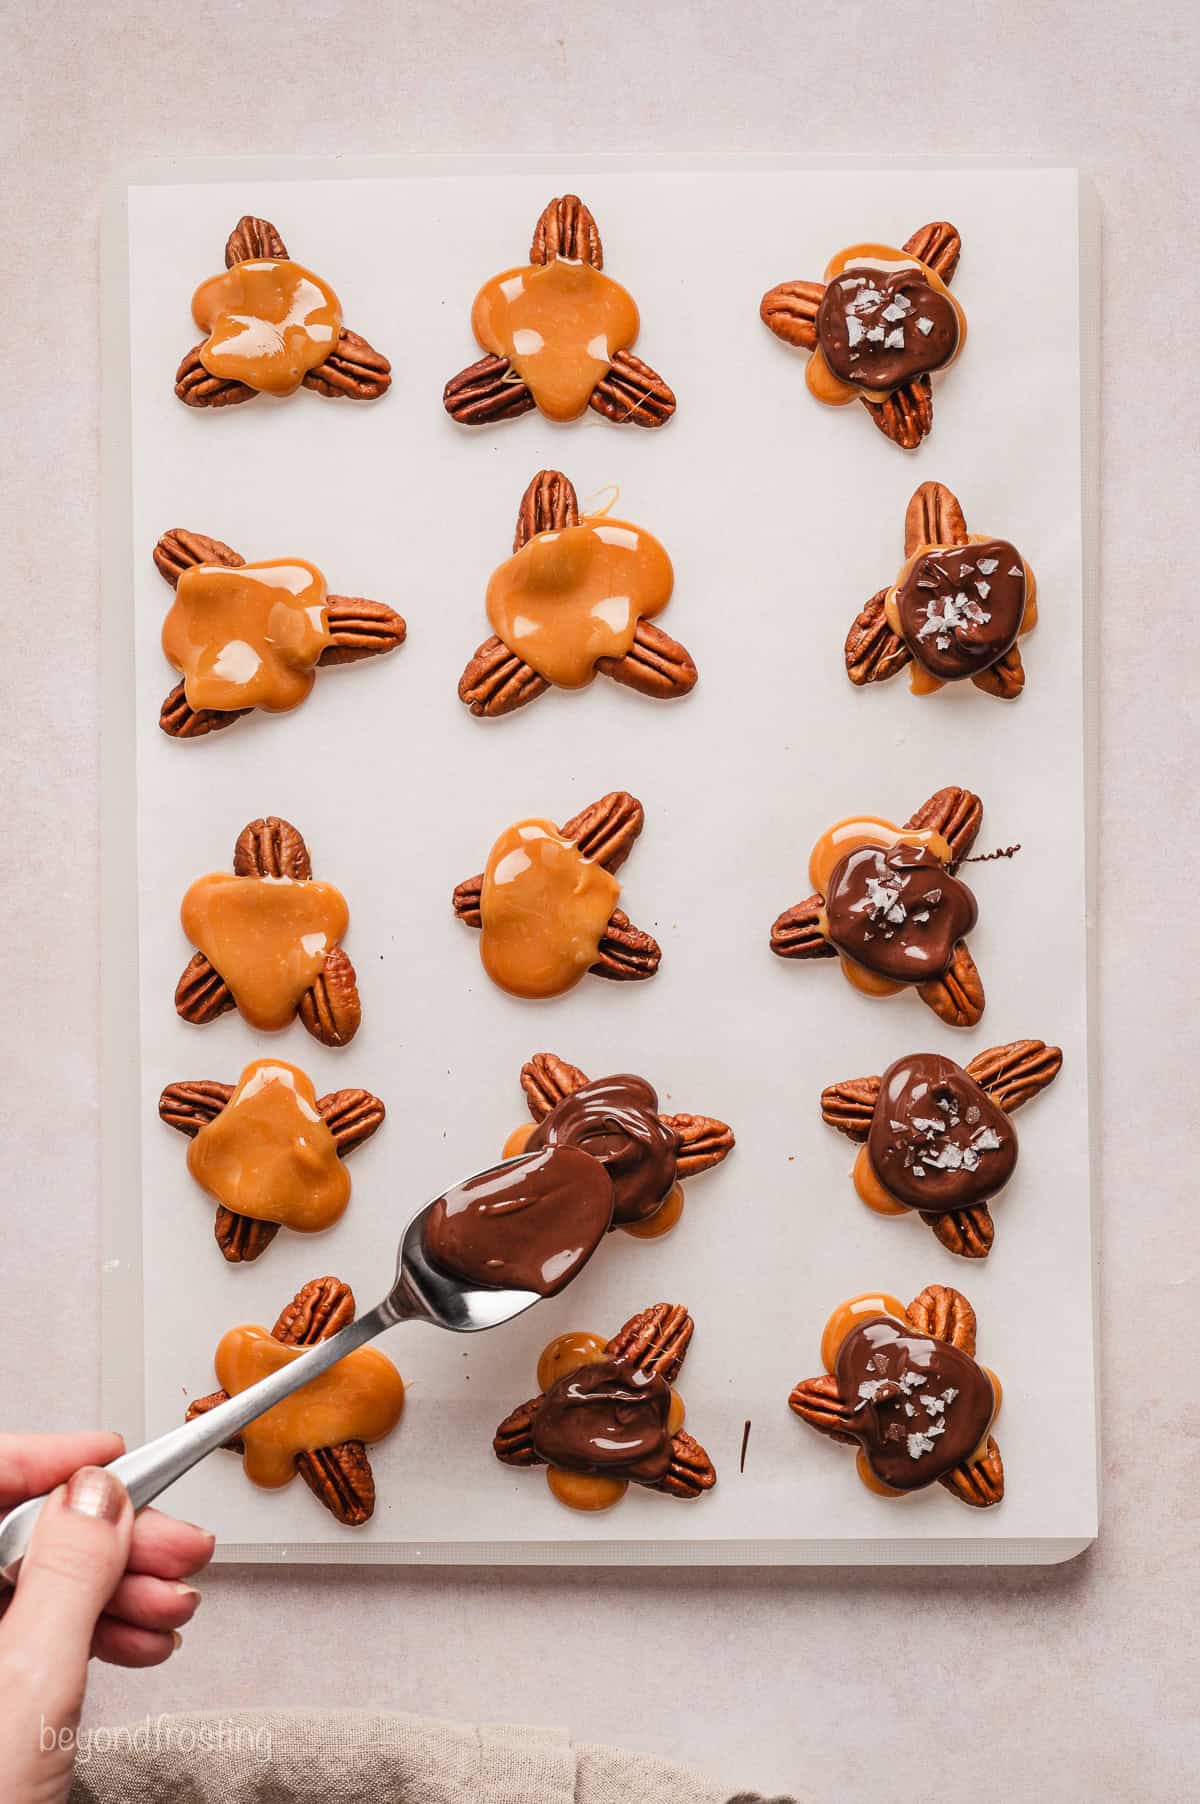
x=124, y=1644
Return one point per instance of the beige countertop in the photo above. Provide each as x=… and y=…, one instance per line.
x=1070, y=1683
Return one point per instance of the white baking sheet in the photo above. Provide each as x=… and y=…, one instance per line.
x=781, y=518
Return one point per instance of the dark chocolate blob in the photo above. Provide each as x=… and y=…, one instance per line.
x=616, y=1119
x=937, y=1140
x=878, y=328
x=899, y=912
x=606, y=1419
x=961, y=607
x=527, y=1225
x=919, y=1407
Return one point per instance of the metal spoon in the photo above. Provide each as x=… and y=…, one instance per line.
x=421, y=1293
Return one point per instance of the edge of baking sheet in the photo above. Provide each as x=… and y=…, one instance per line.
x=122, y=1391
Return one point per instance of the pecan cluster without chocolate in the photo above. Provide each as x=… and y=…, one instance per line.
x=251, y=635
x=876, y=327
x=936, y=1137
x=574, y=599
x=270, y=326
x=606, y=1415
x=269, y=939
x=903, y=1384
x=323, y=1430
x=556, y=334
x=955, y=611
x=890, y=907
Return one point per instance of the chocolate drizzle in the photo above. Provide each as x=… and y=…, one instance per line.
x=917, y=1407
x=616, y=1120
x=937, y=1141
x=606, y=1419
x=960, y=607
x=899, y=912
x=878, y=328
x=530, y=1224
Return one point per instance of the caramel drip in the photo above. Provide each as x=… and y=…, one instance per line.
x=517, y=1142
x=269, y=322
x=570, y=597
x=560, y=324
x=583, y=1490
x=874, y=1194
x=836, y=843
x=360, y=1399
x=544, y=908
x=662, y=1221
x=269, y=1154
x=829, y=388
x=267, y=937
x=848, y=1316
x=871, y=1479
x=566, y=1353
x=247, y=637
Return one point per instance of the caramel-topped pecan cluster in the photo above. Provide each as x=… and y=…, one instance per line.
x=607, y=1416
x=564, y=312
x=351, y=368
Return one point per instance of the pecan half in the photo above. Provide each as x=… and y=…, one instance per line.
x=703, y=1142
x=319, y=1309
x=1012, y=1074
x=955, y=813
x=355, y=371
x=342, y=1479
x=691, y=1471
x=938, y=245
x=189, y=1107
x=654, y=665
x=549, y=504
x=979, y=1482
x=351, y=1116
x=181, y=549
x=179, y=720
x=360, y=629
x=633, y=394
x=195, y=386
x=933, y=517
x=1004, y=679
x=272, y=848
x=790, y=309
x=513, y=1440
x=331, y=1009
x=626, y=953
x=546, y=1079
x=607, y=830
x=242, y=1238
x=818, y=1402
x=467, y=899
x=797, y=932
x=253, y=238
x=850, y=1106
x=498, y=682
x=967, y=1232
x=943, y=1313
x=655, y=1340
x=873, y=651
x=486, y=392
x=906, y=415
x=566, y=228
x=201, y=993
x=957, y=998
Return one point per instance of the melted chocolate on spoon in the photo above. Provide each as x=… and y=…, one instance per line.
x=531, y=1224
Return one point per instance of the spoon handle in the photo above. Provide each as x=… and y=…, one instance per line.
x=148, y=1470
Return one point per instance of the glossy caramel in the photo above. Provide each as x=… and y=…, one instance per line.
x=560, y=324
x=359, y=1399
x=269, y=1155
x=269, y=322
x=247, y=637
x=870, y=1191
x=570, y=597
x=544, y=908
x=848, y=1316
x=267, y=937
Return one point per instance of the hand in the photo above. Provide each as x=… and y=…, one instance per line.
x=96, y=1580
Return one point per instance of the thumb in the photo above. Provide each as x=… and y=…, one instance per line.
x=75, y=1561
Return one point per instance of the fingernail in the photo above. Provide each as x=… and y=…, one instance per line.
x=187, y=1591
x=94, y=1492
x=177, y=1638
